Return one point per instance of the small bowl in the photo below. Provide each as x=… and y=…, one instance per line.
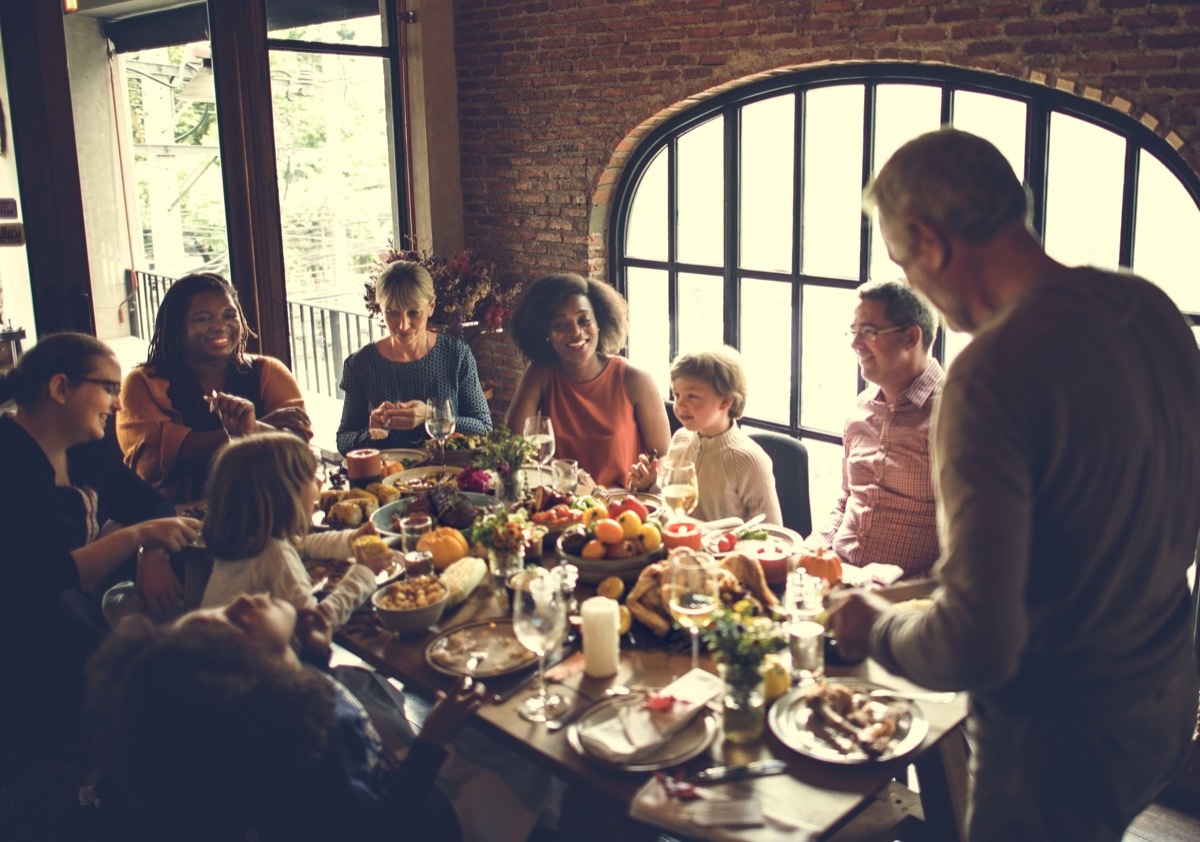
x=410, y=619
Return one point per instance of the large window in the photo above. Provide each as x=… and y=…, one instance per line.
x=741, y=219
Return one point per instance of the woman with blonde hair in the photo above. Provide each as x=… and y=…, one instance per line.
x=387, y=382
x=261, y=496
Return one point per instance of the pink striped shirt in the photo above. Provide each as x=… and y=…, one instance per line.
x=886, y=512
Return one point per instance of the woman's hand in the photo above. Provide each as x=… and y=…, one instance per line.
x=236, y=414
x=167, y=533
x=451, y=711
x=157, y=584
x=643, y=473
x=290, y=418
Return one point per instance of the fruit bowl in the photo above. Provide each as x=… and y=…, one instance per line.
x=593, y=570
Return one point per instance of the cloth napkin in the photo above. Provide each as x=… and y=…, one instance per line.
x=636, y=732
x=873, y=573
x=724, y=814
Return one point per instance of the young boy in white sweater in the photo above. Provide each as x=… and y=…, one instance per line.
x=734, y=474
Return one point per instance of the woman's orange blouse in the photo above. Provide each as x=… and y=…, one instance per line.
x=594, y=422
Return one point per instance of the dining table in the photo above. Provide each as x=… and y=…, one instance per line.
x=818, y=797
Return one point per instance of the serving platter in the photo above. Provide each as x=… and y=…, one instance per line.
x=423, y=478
x=409, y=457
x=691, y=740
x=503, y=654
x=382, y=517
x=792, y=720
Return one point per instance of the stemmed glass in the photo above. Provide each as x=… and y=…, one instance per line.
x=692, y=594
x=540, y=431
x=539, y=622
x=680, y=488
x=439, y=421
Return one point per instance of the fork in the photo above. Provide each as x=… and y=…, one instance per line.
x=913, y=696
x=474, y=658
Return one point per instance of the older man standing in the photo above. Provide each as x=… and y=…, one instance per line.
x=1067, y=461
x=886, y=511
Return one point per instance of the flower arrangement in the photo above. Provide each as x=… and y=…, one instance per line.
x=504, y=452
x=502, y=531
x=466, y=284
x=741, y=640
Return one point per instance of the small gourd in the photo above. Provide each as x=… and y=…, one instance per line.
x=445, y=543
x=823, y=563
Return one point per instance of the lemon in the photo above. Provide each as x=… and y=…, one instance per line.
x=626, y=619
x=631, y=524
x=651, y=537
x=776, y=678
x=612, y=587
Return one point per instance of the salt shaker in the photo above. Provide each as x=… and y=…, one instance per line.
x=567, y=576
x=601, y=647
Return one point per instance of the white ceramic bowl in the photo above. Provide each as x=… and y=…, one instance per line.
x=408, y=620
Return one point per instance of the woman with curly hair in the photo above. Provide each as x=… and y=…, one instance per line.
x=198, y=387
x=605, y=411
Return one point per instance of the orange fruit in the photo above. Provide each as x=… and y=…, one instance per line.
x=612, y=587
x=631, y=524
x=609, y=531
x=626, y=619
x=592, y=515
x=651, y=537
x=593, y=549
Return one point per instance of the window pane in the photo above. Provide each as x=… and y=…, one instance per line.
x=649, y=335
x=701, y=311
x=831, y=218
x=1085, y=175
x=766, y=332
x=902, y=112
x=701, y=196
x=768, y=159
x=828, y=366
x=283, y=23
x=646, y=231
x=998, y=119
x=955, y=342
x=1166, y=243
x=824, y=478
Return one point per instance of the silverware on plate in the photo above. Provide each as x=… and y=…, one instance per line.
x=757, y=769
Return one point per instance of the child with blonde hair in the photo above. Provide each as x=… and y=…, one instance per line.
x=262, y=492
x=734, y=473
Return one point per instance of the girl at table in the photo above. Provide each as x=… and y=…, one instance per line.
x=198, y=387
x=733, y=472
x=604, y=410
x=74, y=520
x=261, y=497
x=213, y=728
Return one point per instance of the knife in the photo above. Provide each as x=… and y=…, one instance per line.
x=756, y=769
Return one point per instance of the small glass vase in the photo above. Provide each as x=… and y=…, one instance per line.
x=504, y=563
x=510, y=488
x=744, y=709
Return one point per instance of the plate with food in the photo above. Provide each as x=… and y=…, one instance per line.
x=461, y=449
x=387, y=518
x=424, y=478
x=772, y=545
x=396, y=459
x=839, y=722
x=689, y=742
x=492, y=644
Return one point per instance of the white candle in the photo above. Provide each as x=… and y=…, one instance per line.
x=601, y=621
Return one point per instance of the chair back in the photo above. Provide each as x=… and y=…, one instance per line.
x=789, y=459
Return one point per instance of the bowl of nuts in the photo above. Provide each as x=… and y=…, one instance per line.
x=411, y=605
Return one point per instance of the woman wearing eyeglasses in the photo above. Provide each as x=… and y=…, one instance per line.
x=198, y=387
x=72, y=518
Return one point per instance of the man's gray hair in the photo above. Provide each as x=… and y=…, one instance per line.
x=955, y=180
x=903, y=306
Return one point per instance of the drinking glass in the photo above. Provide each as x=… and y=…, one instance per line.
x=416, y=562
x=692, y=594
x=564, y=474
x=439, y=421
x=680, y=488
x=539, y=622
x=540, y=431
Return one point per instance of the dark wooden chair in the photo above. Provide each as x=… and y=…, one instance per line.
x=790, y=460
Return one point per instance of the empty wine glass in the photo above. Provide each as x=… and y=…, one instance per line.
x=539, y=622
x=540, y=431
x=680, y=488
x=439, y=421
x=692, y=594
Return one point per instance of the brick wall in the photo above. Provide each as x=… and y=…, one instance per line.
x=550, y=89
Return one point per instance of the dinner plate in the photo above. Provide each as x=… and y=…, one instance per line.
x=694, y=738
x=449, y=652
x=382, y=517
x=407, y=456
x=772, y=552
x=405, y=479
x=327, y=573
x=792, y=721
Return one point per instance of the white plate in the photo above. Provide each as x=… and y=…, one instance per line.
x=772, y=552
x=404, y=477
x=407, y=456
x=695, y=737
x=791, y=719
x=449, y=652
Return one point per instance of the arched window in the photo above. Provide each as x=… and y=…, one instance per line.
x=740, y=218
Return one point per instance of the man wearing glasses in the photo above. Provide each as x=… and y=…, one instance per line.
x=1068, y=473
x=886, y=511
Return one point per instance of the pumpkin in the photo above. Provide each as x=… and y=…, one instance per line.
x=823, y=563
x=445, y=543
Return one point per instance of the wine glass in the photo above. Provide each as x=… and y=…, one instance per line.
x=680, y=488
x=540, y=431
x=539, y=622
x=439, y=421
x=692, y=594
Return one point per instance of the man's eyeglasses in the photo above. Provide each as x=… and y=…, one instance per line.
x=870, y=334
x=113, y=387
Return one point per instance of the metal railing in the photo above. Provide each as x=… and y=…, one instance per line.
x=320, y=337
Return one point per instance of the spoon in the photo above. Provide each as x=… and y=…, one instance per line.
x=913, y=696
